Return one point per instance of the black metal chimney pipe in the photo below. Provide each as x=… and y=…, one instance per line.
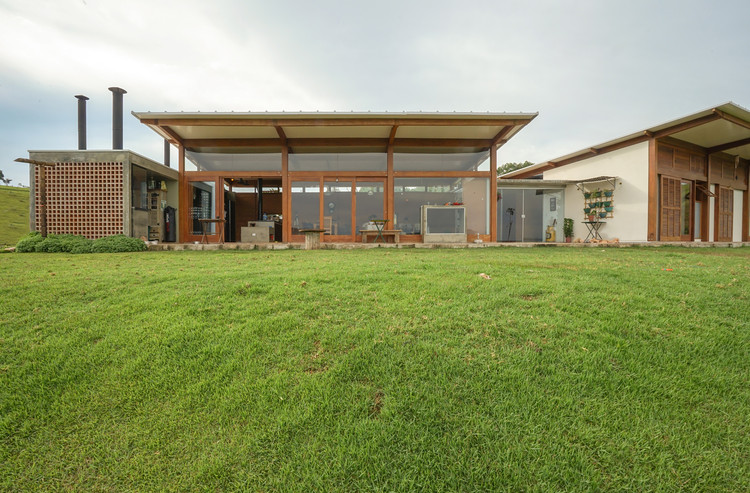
x=166, y=153
x=117, y=93
x=81, y=121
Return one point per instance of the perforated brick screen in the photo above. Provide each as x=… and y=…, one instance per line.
x=83, y=199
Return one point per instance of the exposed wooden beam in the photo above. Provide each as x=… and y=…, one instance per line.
x=594, y=150
x=728, y=145
x=392, y=136
x=731, y=118
x=172, y=135
x=686, y=125
x=500, y=137
x=338, y=142
x=281, y=133
x=47, y=164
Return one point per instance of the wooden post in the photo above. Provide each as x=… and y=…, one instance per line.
x=493, y=193
x=653, y=188
x=42, y=167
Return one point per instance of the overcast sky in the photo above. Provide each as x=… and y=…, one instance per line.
x=594, y=70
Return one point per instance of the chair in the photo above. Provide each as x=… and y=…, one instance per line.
x=329, y=226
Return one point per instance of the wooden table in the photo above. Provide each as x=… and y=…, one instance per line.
x=219, y=224
x=383, y=233
x=312, y=238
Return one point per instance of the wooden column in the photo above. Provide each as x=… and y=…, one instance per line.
x=184, y=203
x=653, y=187
x=493, y=193
x=746, y=205
x=286, y=196
x=389, y=186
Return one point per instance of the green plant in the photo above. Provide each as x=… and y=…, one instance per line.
x=29, y=242
x=568, y=227
x=118, y=244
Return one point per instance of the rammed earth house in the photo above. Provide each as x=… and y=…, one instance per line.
x=334, y=171
x=684, y=180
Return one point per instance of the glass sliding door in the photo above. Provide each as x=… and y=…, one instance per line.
x=527, y=214
x=337, y=208
x=202, y=197
x=370, y=201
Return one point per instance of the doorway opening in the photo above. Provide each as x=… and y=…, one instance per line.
x=252, y=209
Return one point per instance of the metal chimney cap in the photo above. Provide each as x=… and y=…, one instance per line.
x=81, y=97
x=118, y=90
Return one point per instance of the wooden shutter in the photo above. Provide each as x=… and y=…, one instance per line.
x=724, y=214
x=670, y=209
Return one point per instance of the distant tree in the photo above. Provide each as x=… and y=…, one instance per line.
x=4, y=179
x=508, y=167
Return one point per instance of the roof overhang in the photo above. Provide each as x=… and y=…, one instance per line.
x=311, y=132
x=724, y=128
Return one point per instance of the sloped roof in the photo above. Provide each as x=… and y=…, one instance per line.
x=723, y=128
x=461, y=132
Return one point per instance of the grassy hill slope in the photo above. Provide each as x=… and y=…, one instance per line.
x=14, y=214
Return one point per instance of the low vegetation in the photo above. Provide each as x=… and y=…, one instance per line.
x=541, y=369
x=34, y=242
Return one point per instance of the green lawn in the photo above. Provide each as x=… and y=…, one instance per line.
x=377, y=370
x=14, y=214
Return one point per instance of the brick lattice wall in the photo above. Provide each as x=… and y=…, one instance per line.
x=83, y=199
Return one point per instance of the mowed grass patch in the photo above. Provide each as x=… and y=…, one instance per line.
x=14, y=214
x=376, y=370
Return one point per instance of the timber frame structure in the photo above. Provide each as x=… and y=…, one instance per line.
x=347, y=152
x=702, y=160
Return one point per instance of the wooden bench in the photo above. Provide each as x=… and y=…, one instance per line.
x=366, y=233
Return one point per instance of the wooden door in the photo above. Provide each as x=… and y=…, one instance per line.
x=669, y=220
x=724, y=214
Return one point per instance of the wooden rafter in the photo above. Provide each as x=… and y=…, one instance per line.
x=727, y=146
x=500, y=139
x=47, y=164
x=731, y=118
x=392, y=136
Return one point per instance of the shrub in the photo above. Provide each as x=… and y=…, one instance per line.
x=28, y=243
x=50, y=244
x=118, y=243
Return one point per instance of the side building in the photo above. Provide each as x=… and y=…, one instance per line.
x=684, y=180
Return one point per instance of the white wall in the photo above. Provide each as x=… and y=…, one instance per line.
x=737, y=216
x=630, y=165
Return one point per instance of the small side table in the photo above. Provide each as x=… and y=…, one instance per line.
x=219, y=224
x=593, y=227
x=379, y=226
x=312, y=238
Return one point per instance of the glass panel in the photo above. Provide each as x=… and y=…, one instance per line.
x=552, y=214
x=410, y=194
x=533, y=205
x=685, y=208
x=140, y=192
x=337, y=208
x=509, y=210
x=697, y=224
x=305, y=205
x=369, y=203
x=445, y=220
x=459, y=161
x=202, y=206
x=233, y=161
x=355, y=161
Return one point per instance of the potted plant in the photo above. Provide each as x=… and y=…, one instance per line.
x=568, y=229
x=592, y=214
x=608, y=193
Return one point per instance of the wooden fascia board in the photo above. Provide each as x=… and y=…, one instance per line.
x=328, y=122
x=728, y=146
x=342, y=142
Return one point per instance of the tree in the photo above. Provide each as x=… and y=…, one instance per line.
x=508, y=167
x=4, y=179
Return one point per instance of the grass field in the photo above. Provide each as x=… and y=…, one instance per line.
x=376, y=370
x=14, y=214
